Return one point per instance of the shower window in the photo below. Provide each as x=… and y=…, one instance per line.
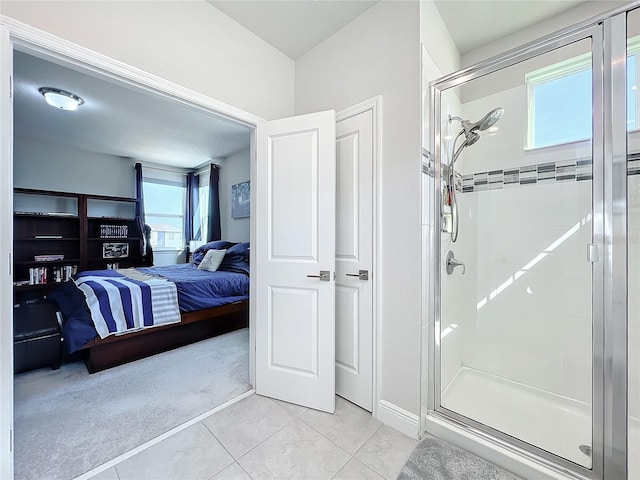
x=553, y=91
x=566, y=87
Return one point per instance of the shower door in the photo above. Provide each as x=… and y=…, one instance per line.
x=519, y=293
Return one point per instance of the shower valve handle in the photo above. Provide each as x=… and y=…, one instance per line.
x=452, y=262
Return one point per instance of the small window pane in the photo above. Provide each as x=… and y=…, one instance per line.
x=563, y=109
x=164, y=198
x=164, y=213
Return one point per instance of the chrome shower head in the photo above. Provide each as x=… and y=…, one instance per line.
x=470, y=130
x=489, y=119
x=481, y=125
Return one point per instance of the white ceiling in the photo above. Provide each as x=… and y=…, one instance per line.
x=293, y=27
x=118, y=120
x=474, y=23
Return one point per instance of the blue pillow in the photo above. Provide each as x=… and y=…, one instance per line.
x=237, y=259
x=202, y=250
x=240, y=249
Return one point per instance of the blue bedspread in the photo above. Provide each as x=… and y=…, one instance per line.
x=197, y=290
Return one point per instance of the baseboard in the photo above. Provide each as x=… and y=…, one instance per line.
x=398, y=418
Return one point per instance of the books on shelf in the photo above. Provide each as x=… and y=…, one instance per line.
x=114, y=231
x=46, y=214
x=38, y=275
x=48, y=258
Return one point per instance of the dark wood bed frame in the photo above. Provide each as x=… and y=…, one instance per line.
x=103, y=353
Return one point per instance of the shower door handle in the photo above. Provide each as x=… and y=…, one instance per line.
x=452, y=262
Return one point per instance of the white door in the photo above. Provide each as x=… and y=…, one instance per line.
x=295, y=222
x=354, y=259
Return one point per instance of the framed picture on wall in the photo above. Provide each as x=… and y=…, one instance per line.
x=241, y=200
x=115, y=250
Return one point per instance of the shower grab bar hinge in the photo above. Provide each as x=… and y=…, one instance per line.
x=592, y=253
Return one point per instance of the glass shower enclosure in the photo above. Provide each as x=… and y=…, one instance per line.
x=533, y=342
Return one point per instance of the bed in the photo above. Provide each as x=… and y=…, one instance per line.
x=211, y=298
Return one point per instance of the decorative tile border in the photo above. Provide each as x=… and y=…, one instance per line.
x=543, y=173
x=428, y=165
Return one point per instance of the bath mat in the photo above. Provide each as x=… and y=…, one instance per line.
x=435, y=459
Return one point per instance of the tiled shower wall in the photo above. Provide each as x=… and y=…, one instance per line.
x=524, y=244
x=531, y=315
x=523, y=308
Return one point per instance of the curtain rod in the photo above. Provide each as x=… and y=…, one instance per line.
x=178, y=170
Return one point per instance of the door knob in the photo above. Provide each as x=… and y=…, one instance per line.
x=362, y=274
x=324, y=275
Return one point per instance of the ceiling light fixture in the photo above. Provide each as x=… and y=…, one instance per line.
x=61, y=98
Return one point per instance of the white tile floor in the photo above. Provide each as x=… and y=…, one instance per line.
x=259, y=438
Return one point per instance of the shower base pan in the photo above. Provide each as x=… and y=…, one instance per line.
x=552, y=422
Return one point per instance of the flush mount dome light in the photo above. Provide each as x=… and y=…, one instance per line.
x=60, y=98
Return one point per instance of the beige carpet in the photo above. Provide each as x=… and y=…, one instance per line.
x=68, y=422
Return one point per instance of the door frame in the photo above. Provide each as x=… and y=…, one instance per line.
x=374, y=105
x=16, y=35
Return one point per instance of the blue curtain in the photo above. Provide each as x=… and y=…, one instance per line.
x=214, y=205
x=145, y=245
x=192, y=229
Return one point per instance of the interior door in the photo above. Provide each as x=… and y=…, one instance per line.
x=354, y=259
x=295, y=260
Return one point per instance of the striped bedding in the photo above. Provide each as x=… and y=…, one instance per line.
x=127, y=300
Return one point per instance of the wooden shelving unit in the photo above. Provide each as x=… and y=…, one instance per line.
x=69, y=224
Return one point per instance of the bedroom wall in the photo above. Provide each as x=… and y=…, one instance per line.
x=226, y=62
x=49, y=166
x=379, y=54
x=234, y=169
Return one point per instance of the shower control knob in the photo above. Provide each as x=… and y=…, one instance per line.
x=452, y=262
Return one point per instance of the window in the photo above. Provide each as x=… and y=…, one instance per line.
x=560, y=103
x=559, y=99
x=164, y=204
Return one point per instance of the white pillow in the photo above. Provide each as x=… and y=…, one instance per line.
x=212, y=260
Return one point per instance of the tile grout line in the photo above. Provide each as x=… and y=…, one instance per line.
x=352, y=456
x=363, y=462
x=154, y=441
x=223, y=446
x=293, y=417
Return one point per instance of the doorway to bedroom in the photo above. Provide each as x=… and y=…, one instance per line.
x=68, y=421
